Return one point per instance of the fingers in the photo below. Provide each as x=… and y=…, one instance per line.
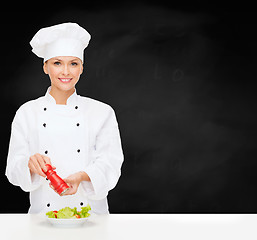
x=70, y=191
x=73, y=182
x=33, y=169
x=73, y=185
x=68, y=181
x=42, y=162
x=37, y=164
x=47, y=161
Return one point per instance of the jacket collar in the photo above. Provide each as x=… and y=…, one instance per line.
x=70, y=101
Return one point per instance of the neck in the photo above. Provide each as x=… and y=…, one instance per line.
x=61, y=96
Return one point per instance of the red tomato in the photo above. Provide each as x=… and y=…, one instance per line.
x=55, y=213
x=77, y=216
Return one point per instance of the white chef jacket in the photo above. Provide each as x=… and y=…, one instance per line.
x=80, y=136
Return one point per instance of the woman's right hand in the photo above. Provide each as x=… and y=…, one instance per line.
x=38, y=162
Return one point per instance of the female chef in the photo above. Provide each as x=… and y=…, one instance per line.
x=77, y=135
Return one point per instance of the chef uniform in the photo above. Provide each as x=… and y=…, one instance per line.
x=82, y=135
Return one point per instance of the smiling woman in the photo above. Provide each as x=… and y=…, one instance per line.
x=76, y=135
x=64, y=72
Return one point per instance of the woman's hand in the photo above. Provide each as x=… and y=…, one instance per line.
x=37, y=162
x=73, y=182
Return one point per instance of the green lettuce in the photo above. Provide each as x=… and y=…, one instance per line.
x=68, y=212
x=65, y=213
x=84, y=211
x=50, y=214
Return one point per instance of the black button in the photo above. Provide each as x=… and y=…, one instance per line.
x=45, y=109
x=76, y=107
x=48, y=205
x=78, y=150
x=77, y=124
x=46, y=152
x=44, y=124
x=81, y=204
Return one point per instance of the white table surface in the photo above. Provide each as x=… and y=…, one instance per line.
x=134, y=226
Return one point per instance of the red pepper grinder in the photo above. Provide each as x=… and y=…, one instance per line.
x=58, y=184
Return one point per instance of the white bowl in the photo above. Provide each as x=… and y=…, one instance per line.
x=62, y=222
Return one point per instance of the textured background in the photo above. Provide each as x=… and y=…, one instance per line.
x=182, y=81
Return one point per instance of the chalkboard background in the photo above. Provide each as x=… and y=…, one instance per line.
x=182, y=81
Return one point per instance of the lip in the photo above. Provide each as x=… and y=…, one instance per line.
x=65, y=80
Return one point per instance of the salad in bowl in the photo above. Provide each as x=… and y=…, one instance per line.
x=68, y=217
x=70, y=213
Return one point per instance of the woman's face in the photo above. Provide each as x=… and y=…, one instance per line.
x=64, y=72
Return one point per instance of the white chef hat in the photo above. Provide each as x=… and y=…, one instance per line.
x=66, y=39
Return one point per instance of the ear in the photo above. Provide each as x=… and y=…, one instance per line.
x=81, y=68
x=45, y=67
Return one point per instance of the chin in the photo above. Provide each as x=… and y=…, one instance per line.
x=66, y=88
x=69, y=89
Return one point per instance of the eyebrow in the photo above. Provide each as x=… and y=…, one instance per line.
x=72, y=60
x=57, y=59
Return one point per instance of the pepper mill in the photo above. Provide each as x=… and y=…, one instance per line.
x=58, y=183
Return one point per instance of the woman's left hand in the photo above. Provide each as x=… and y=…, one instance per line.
x=73, y=182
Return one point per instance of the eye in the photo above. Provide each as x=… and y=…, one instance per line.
x=74, y=64
x=57, y=63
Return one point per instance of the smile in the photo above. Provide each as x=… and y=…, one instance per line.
x=65, y=80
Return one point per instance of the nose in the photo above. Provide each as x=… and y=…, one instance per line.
x=65, y=71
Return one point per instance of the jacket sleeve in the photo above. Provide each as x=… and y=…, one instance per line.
x=105, y=168
x=17, y=170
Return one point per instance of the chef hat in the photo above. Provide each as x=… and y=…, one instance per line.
x=66, y=39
